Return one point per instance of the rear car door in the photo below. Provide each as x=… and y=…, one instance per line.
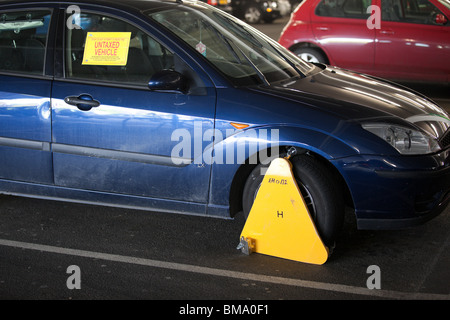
x=110, y=132
x=25, y=87
x=410, y=44
x=340, y=27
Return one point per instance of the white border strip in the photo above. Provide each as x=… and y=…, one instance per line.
x=386, y=294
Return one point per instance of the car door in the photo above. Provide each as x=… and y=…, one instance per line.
x=25, y=86
x=110, y=132
x=340, y=27
x=410, y=44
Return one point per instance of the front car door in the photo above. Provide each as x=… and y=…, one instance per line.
x=110, y=132
x=25, y=86
x=340, y=27
x=410, y=44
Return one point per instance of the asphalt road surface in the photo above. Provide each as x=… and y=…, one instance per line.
x=64, y=251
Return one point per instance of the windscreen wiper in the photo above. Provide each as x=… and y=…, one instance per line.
x=258, y=72
x=227, y=42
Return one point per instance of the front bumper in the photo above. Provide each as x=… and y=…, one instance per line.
x=397, y=192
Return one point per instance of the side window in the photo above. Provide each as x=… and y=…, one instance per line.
x=343, y=8
x=409, y=11
x=123, y=53
x=23, y=39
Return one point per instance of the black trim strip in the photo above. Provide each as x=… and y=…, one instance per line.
x=25, y=144
x=120, y=155
x=95, y=152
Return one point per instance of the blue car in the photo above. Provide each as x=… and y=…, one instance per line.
x=176, y=106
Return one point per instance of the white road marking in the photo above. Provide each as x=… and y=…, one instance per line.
x=386, y=294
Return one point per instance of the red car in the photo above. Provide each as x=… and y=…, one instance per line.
x=405, y=40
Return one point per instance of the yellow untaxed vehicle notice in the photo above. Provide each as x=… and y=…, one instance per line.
x=107, y=48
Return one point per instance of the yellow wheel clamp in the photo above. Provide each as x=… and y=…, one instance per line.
x=279, y=223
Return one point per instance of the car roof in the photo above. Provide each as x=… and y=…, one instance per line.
x=140, y=5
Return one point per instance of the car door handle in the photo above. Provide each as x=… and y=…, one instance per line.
x=323, y=28
x=387, y=32
x=83, y=102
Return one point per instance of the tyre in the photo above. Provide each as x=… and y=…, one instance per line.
x=252, y=15
x=310, y=55
x=320, y=190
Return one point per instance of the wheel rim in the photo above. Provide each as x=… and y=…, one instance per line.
x=309, y=201
x=252, y=15
x=308, y=57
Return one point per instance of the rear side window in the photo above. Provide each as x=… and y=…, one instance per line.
x=356, y=9
x=409, y=11
x=23, y=41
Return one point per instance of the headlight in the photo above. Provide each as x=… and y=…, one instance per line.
x=270, y=4
x=405, y=140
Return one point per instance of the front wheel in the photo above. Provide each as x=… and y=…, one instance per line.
x=252, y=15
x=310, y=55
x=319, y=189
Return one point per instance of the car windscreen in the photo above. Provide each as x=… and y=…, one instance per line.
x=243, y=54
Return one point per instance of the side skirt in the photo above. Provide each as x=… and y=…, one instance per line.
x=47, y=192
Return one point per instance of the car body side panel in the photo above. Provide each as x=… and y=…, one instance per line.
x=236, y=147
x=25, y=108
x=422, y=42
x=125, y=145
x=347, y=41
x=251, y=142
x=298, y=29
x=25, y=130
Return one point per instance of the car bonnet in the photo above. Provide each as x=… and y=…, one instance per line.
x=356, y=96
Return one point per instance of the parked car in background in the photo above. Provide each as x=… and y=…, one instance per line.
x=294, y=4
x=412, y=43
x=256, y=11
x=224, y=5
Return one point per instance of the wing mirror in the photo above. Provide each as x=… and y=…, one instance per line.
x=440, y=19
x=169, y=81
